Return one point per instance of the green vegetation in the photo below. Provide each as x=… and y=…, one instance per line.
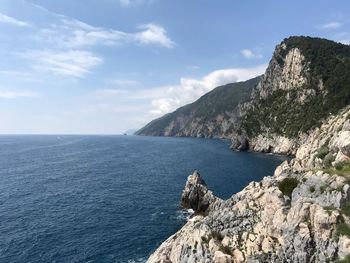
x=329, y=209
x=345, y=260
x=343, y=229
x=340, y=168
x=345, y=209
x=218, y=101
x=327, y=162
x=322, y=152
x=343, y=168
x=283, y=113
x=287, y=185
x=312, y=189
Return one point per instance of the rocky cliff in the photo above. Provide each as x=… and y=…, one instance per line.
x=300, y=214
x=307, y=80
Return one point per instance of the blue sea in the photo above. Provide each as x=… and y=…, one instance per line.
x=106, y=198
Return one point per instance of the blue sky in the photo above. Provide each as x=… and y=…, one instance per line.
x=105, y=66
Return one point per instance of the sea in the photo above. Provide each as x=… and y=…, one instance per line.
x=66, y=198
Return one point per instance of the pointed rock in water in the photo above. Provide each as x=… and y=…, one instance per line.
x=196, y=195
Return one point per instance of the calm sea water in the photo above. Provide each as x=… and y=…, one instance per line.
x=106, y=198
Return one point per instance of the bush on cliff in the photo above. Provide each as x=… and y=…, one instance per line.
x=287, y=185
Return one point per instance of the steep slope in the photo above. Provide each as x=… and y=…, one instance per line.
x=212, y=115
x=307, y=80
x=300, y=214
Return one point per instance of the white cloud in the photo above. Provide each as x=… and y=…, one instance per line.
x=72, y=33
x=75, y=63
x=169, y=98
x=17, y=94
x=154, y=34
x=12, y=21
x=247, y=53
x=331, y=25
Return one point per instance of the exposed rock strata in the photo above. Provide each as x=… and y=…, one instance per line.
x=263, y=224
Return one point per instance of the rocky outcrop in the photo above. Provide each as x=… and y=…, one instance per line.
x=300, y=214
x=196, y=195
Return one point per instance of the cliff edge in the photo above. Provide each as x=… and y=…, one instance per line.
x=300, y=214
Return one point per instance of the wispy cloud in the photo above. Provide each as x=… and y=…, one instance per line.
x=18, y=94
x=75, y=63
x=72, y=33
x=68, y=43
x=12, y=21
x=332, y=25
x=247, y=53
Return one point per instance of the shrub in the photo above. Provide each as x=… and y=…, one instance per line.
x=322, y=152
x=343, y=230
x=287, y=185
x=345, y=208
x=328, y=160
x=338, y=166
x=312, y=189
x=343, y=167
x=217, y=235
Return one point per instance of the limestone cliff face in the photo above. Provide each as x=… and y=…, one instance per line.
x=301, y=87
x=300, y=214
x=286, y=78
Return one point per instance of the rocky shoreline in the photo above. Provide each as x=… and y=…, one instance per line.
x=300, y=214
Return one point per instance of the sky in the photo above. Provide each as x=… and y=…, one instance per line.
x=106, y=66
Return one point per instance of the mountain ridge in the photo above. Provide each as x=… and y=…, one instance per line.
x=211, y=107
